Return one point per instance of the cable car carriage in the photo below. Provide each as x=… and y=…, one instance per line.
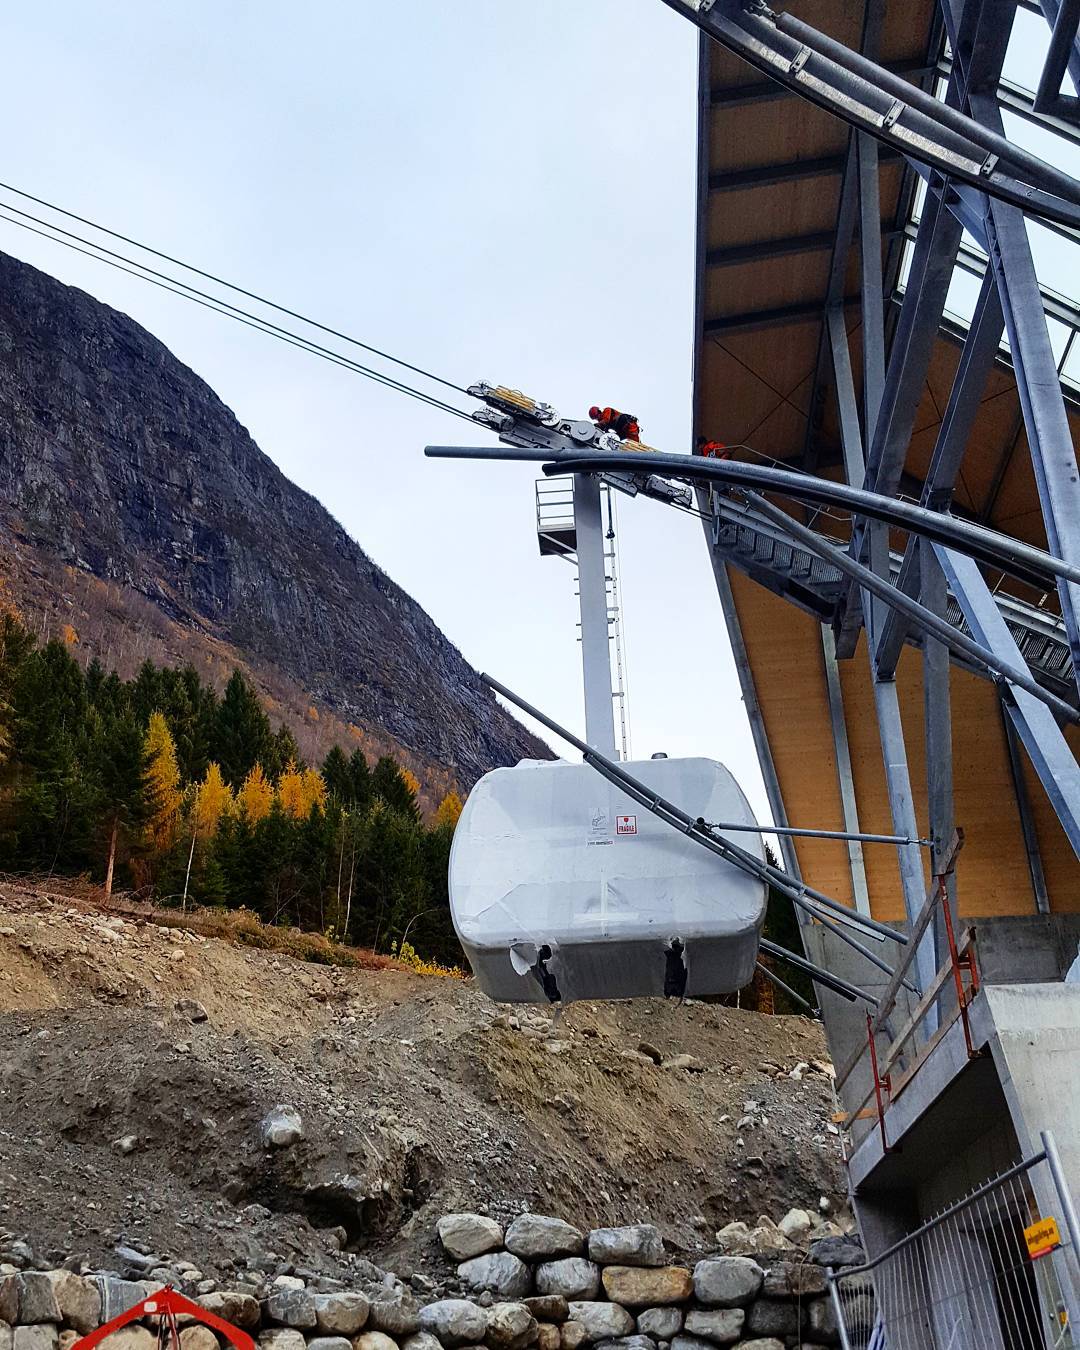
x=562, y=887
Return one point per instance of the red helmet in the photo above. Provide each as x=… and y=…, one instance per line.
x=594, y=411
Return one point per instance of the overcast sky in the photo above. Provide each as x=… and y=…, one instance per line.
x=488, y=189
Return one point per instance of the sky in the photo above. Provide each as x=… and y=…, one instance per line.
x=489, y=190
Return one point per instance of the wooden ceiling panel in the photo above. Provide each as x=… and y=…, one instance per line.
x=732, y=399
x=791, y=208
x=768, y=284
x=750, y=134
x=783, y=356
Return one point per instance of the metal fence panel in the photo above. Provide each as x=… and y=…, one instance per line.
x=966, y=1280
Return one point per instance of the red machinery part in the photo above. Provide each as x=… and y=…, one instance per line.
x=163, y=1304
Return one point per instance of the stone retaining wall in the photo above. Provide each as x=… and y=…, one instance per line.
x=540, y=1283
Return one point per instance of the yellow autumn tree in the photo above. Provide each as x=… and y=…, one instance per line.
x=290, y=791
x=314, y=790
x=411, y=781
x=163, y=783
x=450, y=808
x=256, y=797
x=213, y=800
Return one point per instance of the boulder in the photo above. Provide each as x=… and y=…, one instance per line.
x=192, y=1009
x=773, y=1317
x=535, y=1237
x=636, y=1342
x=467, y=1235
x=79, y=1301
x=281, y=1126
x=278, y=1338
x=9, y=1299
x=766, y=1343
x=37, y=1301
x=511, y=1326
x=727, y=1281
x=455, y=1321
x=571, y=1335
x=685, y=1342
x=602, y=1321
x=639, y=1244
x=67, y=1340
x=719, y=1325
x=794, y=1279
x=660, y=1323
x=796, y=1225
x=573, y=1278
x=44, y=1336
x=547, y=1307
x=834, y=1251
x=127, y=1338
x=644, y=1286
x=240, y=1309
x=289, y=1307
x=501, y=1272
x=396, y=1315
x=117, y=1296
x=342, y=1314
x=821, y=1320
x=548, y=1336
x=329, y=1343
x=197, y=1337
x=374, y=1340
x=7, y=1336
x=421, y=1340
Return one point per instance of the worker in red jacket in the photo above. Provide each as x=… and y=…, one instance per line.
x=713, y=449
x=624, y=425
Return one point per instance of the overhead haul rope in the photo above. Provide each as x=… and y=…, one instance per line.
x=164, y=281
x=240, y=290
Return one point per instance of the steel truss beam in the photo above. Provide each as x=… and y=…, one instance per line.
x=1064, y=53
x=976, y=361
x=887, y=107
x=1047, y=747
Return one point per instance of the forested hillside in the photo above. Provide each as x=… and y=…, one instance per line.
x=159, y=784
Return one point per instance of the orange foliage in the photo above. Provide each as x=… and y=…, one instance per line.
x=213, y=799
x=256, y=798
x=450, y=809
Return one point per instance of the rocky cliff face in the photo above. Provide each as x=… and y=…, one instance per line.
x=119, y=462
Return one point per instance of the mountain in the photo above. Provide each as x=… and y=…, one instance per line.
x=139, y=520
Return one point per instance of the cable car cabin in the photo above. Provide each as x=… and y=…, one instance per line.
x=562, y=887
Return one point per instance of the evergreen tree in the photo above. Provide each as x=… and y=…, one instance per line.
x=282, y=752
x=388, y=783
x=362, y=791
x=243, y=731
x=120, y=764
x=337, y=777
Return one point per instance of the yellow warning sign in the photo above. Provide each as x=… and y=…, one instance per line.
x=1042, y=1237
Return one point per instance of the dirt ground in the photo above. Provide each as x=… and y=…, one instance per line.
x=137, y=1062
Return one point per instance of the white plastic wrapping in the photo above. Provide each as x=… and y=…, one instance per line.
x=558, y=879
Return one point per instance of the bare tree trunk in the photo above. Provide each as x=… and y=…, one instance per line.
x=112, y=857
x=352, y=874
x=187, y=874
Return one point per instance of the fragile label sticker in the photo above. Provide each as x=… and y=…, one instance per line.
x=626, y=824
x=1042, y=1237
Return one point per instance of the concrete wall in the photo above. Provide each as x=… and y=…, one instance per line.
x=1036, y=1051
